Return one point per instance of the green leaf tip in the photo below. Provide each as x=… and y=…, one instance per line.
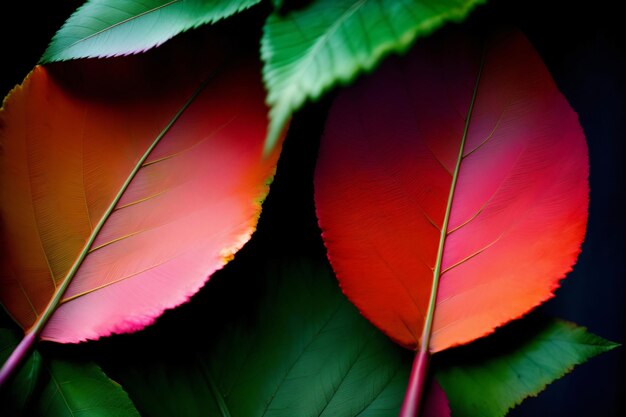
x=105, y=28
x=307, y=52
x=493, y=375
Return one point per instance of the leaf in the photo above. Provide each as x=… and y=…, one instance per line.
x=309, y=51
x=490, y=377
x=68, y=388
x=104, y=28
x=301, y=349
x=451, y=189
x=83, y=389
x=125, y=185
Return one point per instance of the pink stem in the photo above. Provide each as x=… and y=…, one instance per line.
x=417, y=383
x=20, y=354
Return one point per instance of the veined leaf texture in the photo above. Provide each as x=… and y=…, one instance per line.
x=103, y=28
x=451, y=189
x=125, y=184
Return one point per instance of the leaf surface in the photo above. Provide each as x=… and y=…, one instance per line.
x=300, y=350
x=492, y=376
x=308, y=51
x=125, y=184
x=451, y=189
x=65, y=388
x=103, y=28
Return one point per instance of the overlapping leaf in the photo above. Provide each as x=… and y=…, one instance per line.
x=125, y=184
x=102, y=28
x=308, y=51
x=453, y=184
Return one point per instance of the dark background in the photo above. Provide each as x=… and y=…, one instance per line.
x=580, y=47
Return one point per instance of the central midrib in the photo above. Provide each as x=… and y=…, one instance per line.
x=428, y=322
x=121, y=22
x=58, y=295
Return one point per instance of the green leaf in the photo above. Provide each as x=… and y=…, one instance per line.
x=493, y=375
x=308, y=51
x=18, y=394
x=302, y=350
x=69, y=388
x=102, y=28
x=82, y=389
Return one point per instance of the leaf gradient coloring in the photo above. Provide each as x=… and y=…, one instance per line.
x=125, y=185
x=463, y=164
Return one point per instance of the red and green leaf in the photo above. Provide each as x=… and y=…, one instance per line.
x=451, y=189
x=125, y=185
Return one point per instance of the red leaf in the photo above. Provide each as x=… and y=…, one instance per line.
x=463, y=164
x=125, y=184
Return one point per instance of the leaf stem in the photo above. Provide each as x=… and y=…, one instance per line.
x=413, y=397
x=19, y=354
x=417, y=381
